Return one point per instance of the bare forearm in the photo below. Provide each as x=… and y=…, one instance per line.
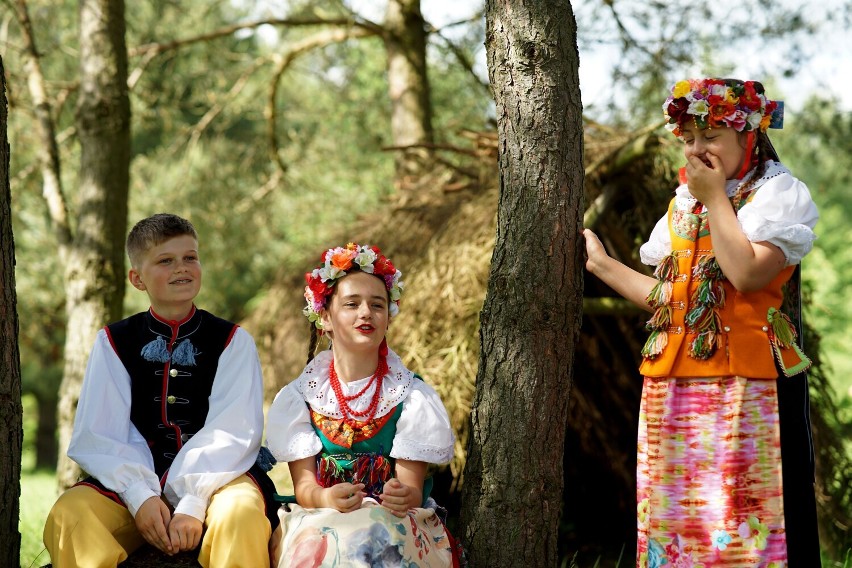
x=309, y=494
x=632, y=285
x=747, y=266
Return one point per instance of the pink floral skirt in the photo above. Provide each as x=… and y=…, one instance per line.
x=709, y=485
x=369, y=536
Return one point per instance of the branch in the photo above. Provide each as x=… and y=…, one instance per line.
x=257, y=195
x=320, y=39
x=158, y=48
x=461, y=57
x=27, y=171
x=627, y=39
x=449, y=147
x=610, y=307
x=48, y=152
x=219, y=106
x=633, y=137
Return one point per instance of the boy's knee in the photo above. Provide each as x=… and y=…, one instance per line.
x=71, y=506
x=243, y=515
x=239, y=508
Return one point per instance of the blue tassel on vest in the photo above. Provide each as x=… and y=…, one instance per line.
x=157, y=351
x=184, y=354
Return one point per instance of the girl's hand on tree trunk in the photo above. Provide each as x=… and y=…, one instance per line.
x=595, y=251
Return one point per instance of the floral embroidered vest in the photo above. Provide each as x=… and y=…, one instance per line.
x=702, y=326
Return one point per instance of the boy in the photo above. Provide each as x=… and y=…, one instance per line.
x=168, y=426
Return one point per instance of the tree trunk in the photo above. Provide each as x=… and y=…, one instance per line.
x=530, y=321
x=45, y=443
x=11, y=412
x=408, y=85
x=94, y=271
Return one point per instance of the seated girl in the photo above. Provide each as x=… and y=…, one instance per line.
x=358, y=429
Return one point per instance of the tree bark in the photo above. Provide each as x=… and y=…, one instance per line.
x=408, y=85
x=530, y=320
x=94, y=271
x=11, y=412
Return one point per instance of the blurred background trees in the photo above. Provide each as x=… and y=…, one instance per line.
x=279, y=128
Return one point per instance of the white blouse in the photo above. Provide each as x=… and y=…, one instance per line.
x=108, y=446
x=423, y=431
x=781, y=213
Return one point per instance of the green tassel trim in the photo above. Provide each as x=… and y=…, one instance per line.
x=659, y=298
x=709, y=293
x=660, y=295
x=699, y=318
x=661, y=319
x=705, y=321
x=704, y=345
x=707, y=268
x=668, y=268
x=657, y=341
x=783, y=333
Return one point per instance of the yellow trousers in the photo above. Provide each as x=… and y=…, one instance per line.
x=87, y=530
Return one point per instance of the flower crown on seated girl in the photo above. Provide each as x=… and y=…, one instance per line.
x=712, y=103
x=341, y=261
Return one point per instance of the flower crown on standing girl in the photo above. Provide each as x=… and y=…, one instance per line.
x=715, y=103
x=712, y=103
x=341, y=261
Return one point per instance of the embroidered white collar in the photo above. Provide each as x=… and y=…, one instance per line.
x=773, y=169
x=315, y=387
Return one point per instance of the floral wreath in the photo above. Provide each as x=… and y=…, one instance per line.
x=711, y=103
x=341, y=261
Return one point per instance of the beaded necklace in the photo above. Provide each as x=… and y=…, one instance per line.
x=365, y=415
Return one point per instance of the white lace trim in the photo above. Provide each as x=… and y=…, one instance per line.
x=302, y=445
x=416, y=451
x=315, y=387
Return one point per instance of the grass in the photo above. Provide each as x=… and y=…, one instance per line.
x=38, y=492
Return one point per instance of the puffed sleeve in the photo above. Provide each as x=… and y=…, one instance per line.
x=289, y=433
x=226, y=447
x=423, y=432
x=104, y=442
x=782, y=213
x=659, y=243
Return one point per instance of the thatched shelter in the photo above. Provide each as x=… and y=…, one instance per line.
x=441, y=231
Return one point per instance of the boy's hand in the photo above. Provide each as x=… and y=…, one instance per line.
x=185, y=532
x=345, y=497
x=396, y=497
x=152, y=521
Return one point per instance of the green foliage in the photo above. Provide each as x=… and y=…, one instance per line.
x=817, y=146
x=201, y=145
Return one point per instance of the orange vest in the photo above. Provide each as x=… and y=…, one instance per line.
x=744, y=333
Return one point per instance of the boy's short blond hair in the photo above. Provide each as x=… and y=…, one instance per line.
x=152, y=231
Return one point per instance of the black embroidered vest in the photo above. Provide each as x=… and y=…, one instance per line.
x=172, y=366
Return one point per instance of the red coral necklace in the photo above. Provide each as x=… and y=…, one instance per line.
x=343, y=400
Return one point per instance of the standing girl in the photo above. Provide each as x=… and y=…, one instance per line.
x=724, y=400
x=358, y=429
